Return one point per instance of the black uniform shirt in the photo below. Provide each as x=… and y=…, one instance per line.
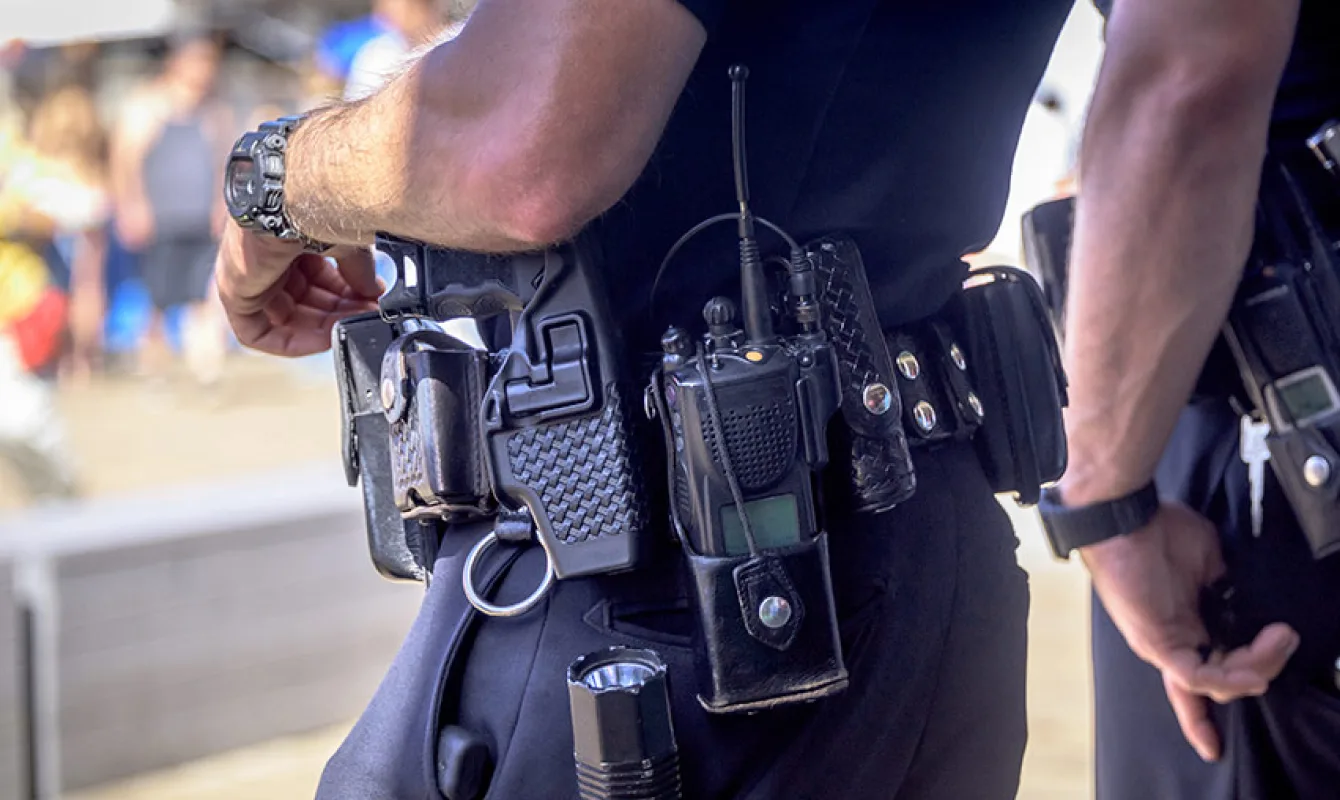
x=893, y=120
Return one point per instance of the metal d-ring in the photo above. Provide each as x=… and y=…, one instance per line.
x=485, y=607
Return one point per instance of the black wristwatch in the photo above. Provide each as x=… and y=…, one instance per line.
x=253, y=186
x=1070, y=528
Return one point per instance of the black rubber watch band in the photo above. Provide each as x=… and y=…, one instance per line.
x=1071, y=528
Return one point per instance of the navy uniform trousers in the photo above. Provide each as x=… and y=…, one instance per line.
x=932, y=607
x=1283, y=745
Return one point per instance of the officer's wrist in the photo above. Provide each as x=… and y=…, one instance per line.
x=1101, y=555
x=1085, y=484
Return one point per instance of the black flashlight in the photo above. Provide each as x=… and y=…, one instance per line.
x=623, y=739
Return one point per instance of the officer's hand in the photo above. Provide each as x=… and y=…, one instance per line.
x=283, y=301
x=1150, y=582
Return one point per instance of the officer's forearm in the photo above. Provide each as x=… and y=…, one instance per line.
x=509, y=137
x=1169, y=175
x=398, y=164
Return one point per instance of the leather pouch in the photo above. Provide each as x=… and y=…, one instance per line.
x=400, y=549
x=873, y=445
x=1014, y=363
x=767, y=630
x=1313, y=502
x=436, y=384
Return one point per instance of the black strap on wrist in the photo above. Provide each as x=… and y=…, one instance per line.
x=1070, y=528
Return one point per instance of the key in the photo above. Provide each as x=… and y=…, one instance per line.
x=1255, y=454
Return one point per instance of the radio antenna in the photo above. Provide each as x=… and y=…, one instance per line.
x=753, y=285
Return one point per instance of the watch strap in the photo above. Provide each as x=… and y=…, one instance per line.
x=1070, y=528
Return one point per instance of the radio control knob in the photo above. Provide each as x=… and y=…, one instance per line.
x=719, y=313
x=677, y=342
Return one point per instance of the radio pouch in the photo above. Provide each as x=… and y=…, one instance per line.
x=759, y=645
x=1014, y=363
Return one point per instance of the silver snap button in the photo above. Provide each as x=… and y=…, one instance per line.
x=1316, y=471
x=388, y=393
x=956, y=355
x=975, y=403
x=877, y=399
x=924, y=414
x=774, y=612
x=909, y=366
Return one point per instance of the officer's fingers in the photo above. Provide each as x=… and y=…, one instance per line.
x=1185, y=668
x=359, y=269
x=305, y=333
x=321, y=287
x=1265, y=657
x=1193, y=716
x=326, y=278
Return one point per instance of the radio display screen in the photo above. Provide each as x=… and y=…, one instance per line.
x=776, y=523
x=1306, y=398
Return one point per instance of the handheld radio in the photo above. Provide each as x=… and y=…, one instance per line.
x=748, y=409
x=746, y=413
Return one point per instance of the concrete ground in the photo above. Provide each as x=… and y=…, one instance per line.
x=132, y=435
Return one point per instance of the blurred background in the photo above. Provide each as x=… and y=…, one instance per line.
x=186, y=605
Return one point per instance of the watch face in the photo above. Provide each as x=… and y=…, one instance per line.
x=241, y=190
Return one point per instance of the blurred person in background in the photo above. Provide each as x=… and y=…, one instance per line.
x=409, y=25
x=32, y=437
x=333, y=57
x=1198, y=108
x=40, y=72
x=68, y=139
x=168, y=142
x=40, y=195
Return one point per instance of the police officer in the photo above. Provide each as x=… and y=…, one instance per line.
x=892, y=121
x=1191, y=96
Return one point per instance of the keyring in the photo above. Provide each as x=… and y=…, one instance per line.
x=484, y=606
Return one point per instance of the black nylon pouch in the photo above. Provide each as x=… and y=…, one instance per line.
x=745, y=664
x=1014, y=363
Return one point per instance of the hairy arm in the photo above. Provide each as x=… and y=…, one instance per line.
x=1170, y=169
x=514, y=135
